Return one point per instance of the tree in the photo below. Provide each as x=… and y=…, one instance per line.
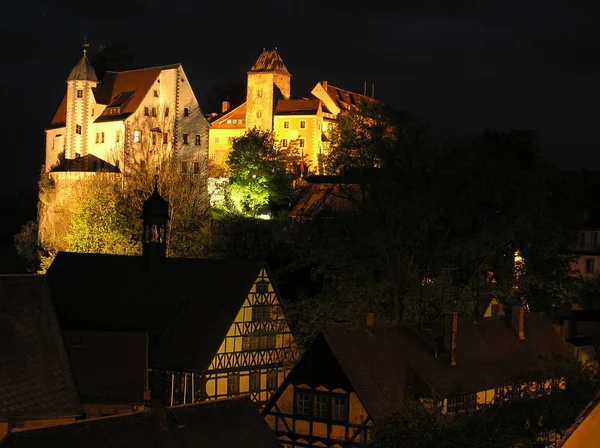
x=26, y=244
x=101, y=226
x=257, y=173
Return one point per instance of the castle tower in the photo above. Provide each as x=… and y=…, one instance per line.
x=268, y=82
x=80, y=104
x=155, y=215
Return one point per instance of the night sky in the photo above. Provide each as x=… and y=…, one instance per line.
x=474, y=64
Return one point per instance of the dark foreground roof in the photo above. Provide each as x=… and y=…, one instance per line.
x=226, y=423
x=108, y=366
x=383, y=364
x=183, y=303
x=35, y=376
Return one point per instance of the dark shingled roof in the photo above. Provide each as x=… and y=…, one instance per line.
x=35, y=376
x=226, y=423
x=83, y=71
x=108, y=366
x=347, y=100
x=382, y=364
x=185, y=302
x=269, y=61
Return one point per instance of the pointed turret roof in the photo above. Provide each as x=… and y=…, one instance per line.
x=83, y=71
x=269, y=61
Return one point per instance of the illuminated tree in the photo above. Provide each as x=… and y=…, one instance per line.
x=257, y=173
x=100, y=226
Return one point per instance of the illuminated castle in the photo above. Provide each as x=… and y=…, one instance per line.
x=126, y=122
x=299, y=122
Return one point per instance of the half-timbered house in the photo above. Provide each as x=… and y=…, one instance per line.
x=215, y=327
x=351, y=377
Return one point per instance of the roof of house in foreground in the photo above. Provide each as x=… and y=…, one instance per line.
x=185, y=302
x=384, y=363
x=35, y=375
x=228, y=423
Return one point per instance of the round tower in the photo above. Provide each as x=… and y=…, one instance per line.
x=80, y=104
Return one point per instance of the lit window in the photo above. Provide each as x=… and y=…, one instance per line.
x=255, y=381
x=196, y=167
x=184, y=167
x=233, y=384
x=146, y=111
x=92, y=112
x=197, y=139
x=79, y=93
x=260, y=93
x=136, y=136
x=102, y=137
x=97, y=137
x=154, y=111
x=284, y=142
x=165, y=138
x=186, y=111
x=286, y=124
x=259, y=114
x=213, y=156
x=235, y=122
x=321, y=406
x=185, y=139
x=216, y=139
x=302, y=124
x=78, y=128
x=301, y=143
x=272, y=380
x=229, y=121
x=155, y=93
x=339, y=407
x=303, y=403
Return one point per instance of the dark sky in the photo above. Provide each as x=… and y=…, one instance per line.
x=492, y=63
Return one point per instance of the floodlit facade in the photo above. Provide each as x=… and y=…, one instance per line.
x=301, y=124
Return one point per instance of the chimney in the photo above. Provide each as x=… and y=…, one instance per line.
x=226, y=105
x=324, y=83
x=497, y=310
x=449, y=334
x=518, y=320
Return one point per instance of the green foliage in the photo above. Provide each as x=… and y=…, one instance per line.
x=26, y=244
x=258, y=176
x=100, y=226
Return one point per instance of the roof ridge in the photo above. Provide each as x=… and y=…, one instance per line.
x=163, y=67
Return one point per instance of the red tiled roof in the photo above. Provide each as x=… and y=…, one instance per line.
x=297, y=107
x=135, y=83
x=238, y=113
